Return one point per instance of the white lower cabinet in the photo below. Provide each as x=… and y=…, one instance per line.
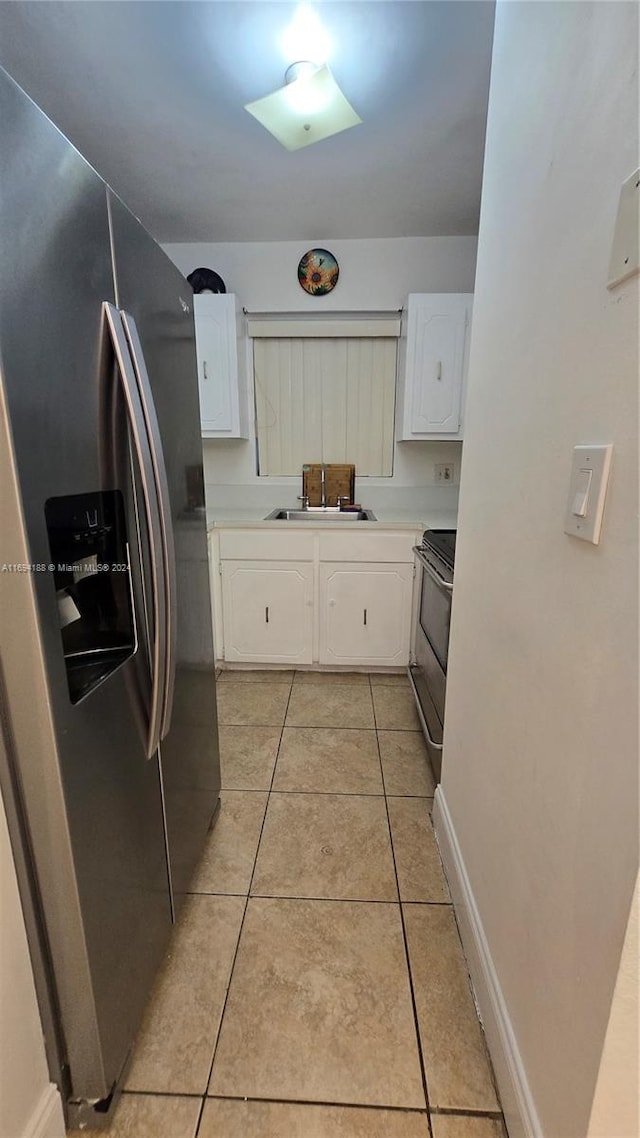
x=268, y=611
x=365, y=614
x=335, y=597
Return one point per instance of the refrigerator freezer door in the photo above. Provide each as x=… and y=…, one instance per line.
x=151, y=290
x=91, y=798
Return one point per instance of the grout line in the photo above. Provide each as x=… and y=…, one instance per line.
x=215, y=893
x=341, y=900
x=332, y=900
x=461, y=1111
x=326, y=726
x=465, y=1112
x=162, y=1094
x=332, y=793
x=244, y=914
x=416, y=1024
x=420, y=1110
x=328, y=793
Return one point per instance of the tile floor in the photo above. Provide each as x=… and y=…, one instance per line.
x=315, y=986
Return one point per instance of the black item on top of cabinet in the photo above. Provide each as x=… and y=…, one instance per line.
x=206, y=280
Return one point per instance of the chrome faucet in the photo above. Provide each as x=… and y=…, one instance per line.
x=323, y=487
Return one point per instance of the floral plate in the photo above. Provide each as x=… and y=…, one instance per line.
x=318, y=272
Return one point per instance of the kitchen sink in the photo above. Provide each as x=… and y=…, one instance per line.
x=320, y=514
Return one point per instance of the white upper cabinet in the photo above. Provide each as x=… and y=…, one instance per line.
x=432, y=364
x=221, y=346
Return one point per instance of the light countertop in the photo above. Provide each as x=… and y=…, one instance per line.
x=254, y=518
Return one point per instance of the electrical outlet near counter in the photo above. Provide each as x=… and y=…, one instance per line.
x=444, y=472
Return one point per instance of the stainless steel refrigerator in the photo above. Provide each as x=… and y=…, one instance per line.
x=107, y=688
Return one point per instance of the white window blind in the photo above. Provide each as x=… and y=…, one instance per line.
x=325, y=400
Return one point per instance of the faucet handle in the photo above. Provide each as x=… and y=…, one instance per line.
x=343, y=498
x=304, y=498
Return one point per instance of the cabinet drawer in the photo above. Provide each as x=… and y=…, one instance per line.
x=354, y=546
x=263, y=545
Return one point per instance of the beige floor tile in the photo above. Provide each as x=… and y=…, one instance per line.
x=389, y=679
x=420, y=873
x=225, y=1118
x=175, y=1043
x=395, y=709
x=259, y=676
x=325, y=845
x=405, y=763
x=330, y=705
x=252, y=705
x=227, y=861
x=455, y=1057
x=466, y=1126
x=328, y=760
x=319, y=1007
x=331, y=678
x=148, y=1116
x=248, y=756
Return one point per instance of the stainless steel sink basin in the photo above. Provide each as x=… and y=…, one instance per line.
x=315, y=514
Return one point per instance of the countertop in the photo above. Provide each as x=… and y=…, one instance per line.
x=254, y=518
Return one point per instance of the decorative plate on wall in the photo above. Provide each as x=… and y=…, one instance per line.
x=318, y=272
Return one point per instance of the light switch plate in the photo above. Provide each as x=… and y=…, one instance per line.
x=596, y=459
x=625, y=251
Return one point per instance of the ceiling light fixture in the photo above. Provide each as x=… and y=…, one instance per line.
x=307, y=109
x=311, y=105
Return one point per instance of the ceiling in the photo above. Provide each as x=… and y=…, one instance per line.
x=152, y=93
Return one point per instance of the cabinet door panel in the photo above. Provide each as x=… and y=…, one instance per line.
x=268, y=611
x=365, y=614
x=215, y=322
x=439, y=355
x=433, y=359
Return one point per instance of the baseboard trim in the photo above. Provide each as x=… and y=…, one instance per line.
x=518, y=1104
x=47, y=1119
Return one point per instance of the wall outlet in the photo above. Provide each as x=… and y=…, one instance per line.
x=444, y=471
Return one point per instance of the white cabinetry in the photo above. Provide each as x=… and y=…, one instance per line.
x=365, y=614
x=221, y=346
x=268, y=611
x=334, y=597
x=432, y=364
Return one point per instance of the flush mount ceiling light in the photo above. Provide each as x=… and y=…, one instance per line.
x=307, y=109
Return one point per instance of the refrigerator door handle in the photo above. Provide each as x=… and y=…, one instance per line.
x=166, y=521
x=139, y=436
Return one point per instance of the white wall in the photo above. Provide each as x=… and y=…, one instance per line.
x=375, y=275
x=616, y=1107
x=29, y=1106
x=540, y=771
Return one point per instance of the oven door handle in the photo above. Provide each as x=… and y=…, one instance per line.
x=433, y=573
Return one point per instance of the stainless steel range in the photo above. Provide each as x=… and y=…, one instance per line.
x=428, y=675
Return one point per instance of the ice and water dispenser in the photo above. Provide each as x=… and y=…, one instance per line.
x=92, y=574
